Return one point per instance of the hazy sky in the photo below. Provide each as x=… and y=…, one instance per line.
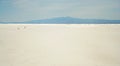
x=25, y=10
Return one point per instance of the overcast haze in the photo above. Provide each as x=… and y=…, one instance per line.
x=26, y=10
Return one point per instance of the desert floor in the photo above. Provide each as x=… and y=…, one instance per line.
x=60, y=45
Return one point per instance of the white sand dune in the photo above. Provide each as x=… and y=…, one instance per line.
x=60, y=45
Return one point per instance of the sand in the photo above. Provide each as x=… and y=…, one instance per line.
x=60, y=45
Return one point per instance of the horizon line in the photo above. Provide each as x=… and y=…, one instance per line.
x=61, y=17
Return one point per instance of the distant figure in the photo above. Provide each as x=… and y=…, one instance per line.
x=24, y=27
x=18, y=28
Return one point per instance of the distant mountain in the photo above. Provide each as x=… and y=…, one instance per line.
x=66, y=20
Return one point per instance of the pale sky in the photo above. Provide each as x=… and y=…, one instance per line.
x=26, y=10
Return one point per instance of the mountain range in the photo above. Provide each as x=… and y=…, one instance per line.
x=66, y=20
